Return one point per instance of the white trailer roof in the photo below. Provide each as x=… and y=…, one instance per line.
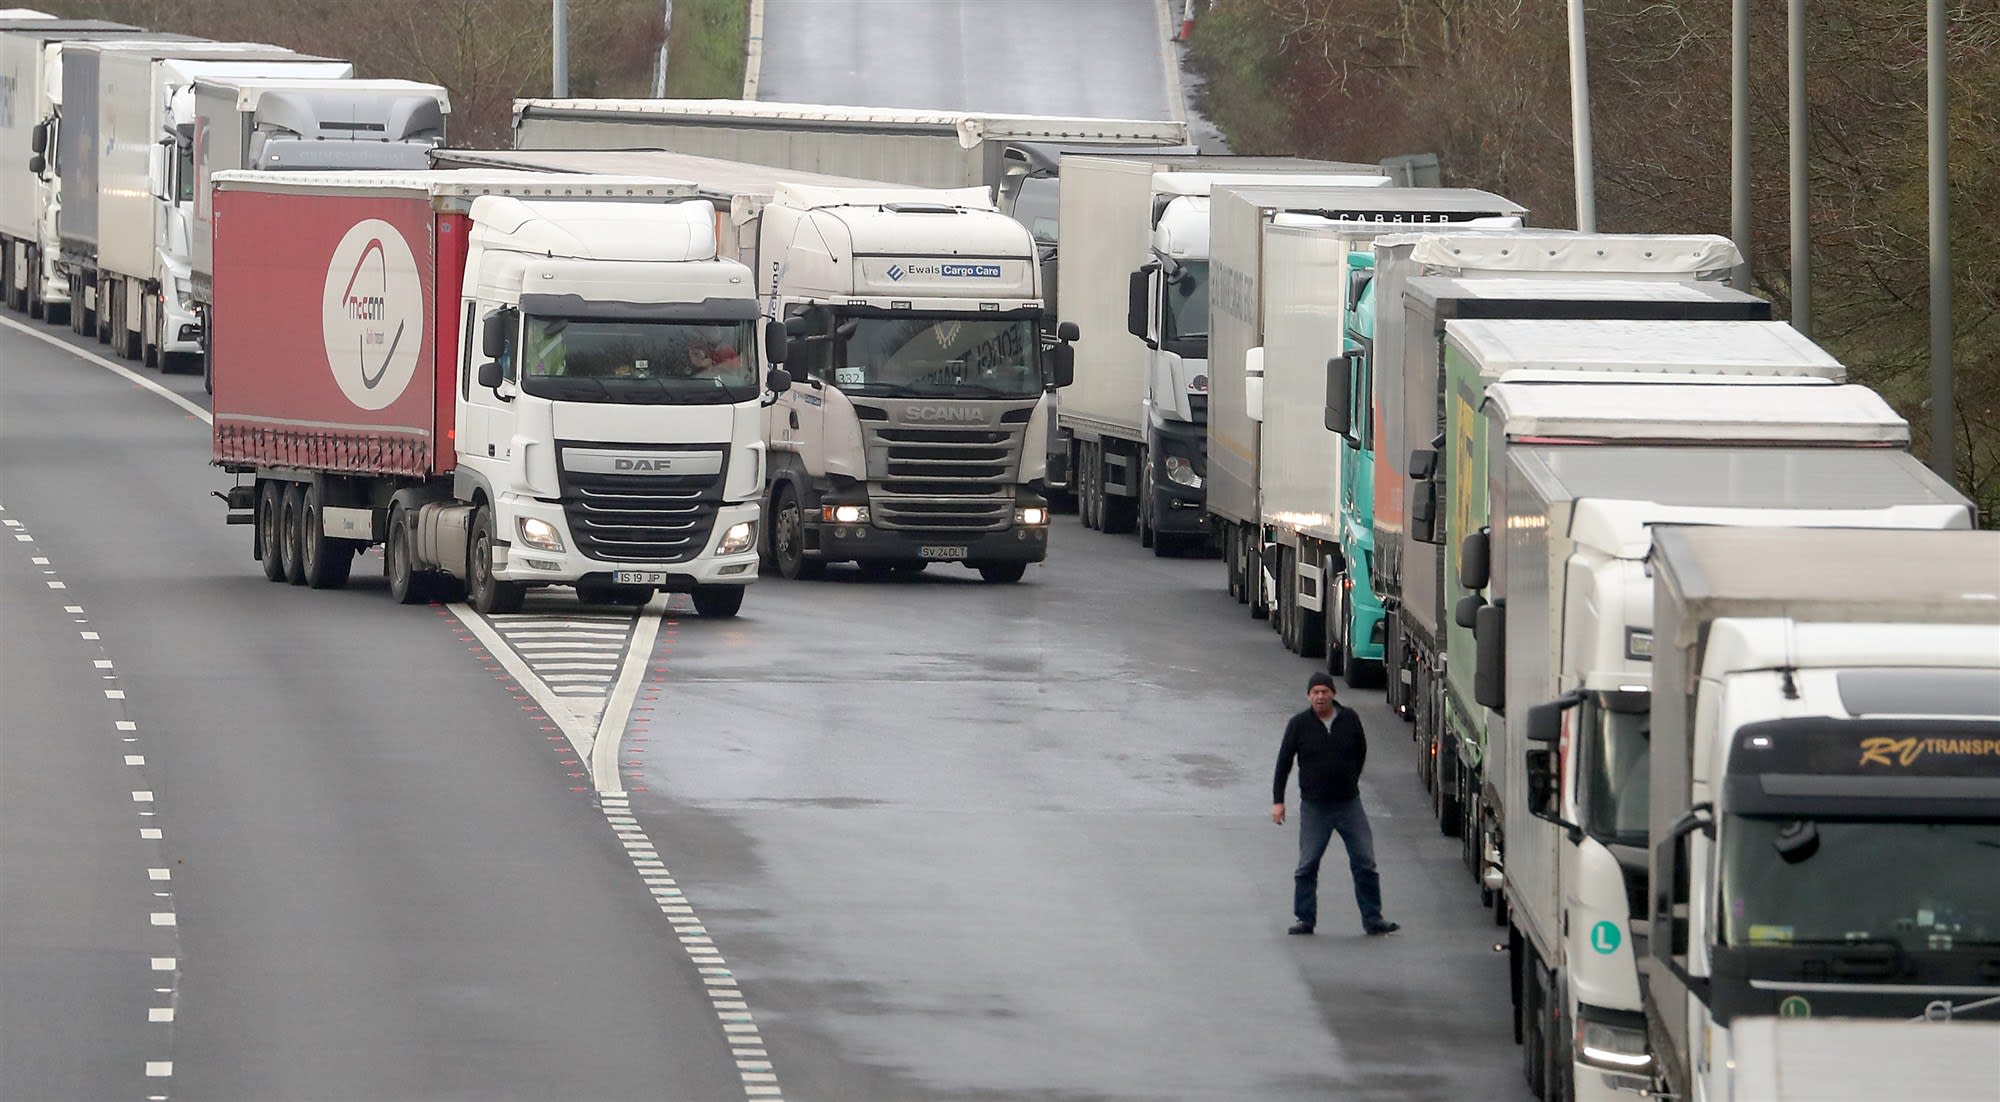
x=462, y=183
x=813, y=198
x=715, y=176
x=1687, y=255
x=972, y=128
x=1202, y=183
x=1831, y=574
x=1703, y=347
x=1510, y=288
x=1637, y=407
x=252, y=89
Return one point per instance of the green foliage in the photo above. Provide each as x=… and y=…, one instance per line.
x=705, y=51
x=1236, y=53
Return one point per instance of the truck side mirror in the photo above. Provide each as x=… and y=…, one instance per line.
x=1253, y=384
x=1423, y=463
x=1062, y=365
x=38, y=164
x=1544, y=791
x=1466, y=612
x=777, y=380
x=156, y=171
x=1475, y=565
x=1670, y=897
x=1545, y=719
x=494, y=333
x=1489, y=669
x=1423, y=512
x=489, y=375
x=1138, y=299
x=1340, y=395
x=796, y=325
x=777, y=345
x=1067, y=331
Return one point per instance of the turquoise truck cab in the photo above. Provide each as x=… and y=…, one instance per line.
x=1355, y=591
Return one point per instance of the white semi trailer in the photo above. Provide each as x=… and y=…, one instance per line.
x=1824, y=805
x=1584, y=470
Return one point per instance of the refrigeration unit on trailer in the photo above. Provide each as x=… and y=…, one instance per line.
x=1479, y=353
x=225, y=121
x=1581, y=473
x=508, y=381
x=124, y=211
x=1281, y=276
x=1824, y=803
x=920, y=381
x=1135, y=273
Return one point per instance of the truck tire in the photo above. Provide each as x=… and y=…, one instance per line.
x=326, y=561
x=718, y=602
x=1148, y=534
x=1002, y=573
x=290, y=529
x=788, y=540
x=407, y=585
x=490, y=596
x=269, y=529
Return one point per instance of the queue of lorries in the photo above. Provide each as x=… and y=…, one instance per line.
x=1703, y=665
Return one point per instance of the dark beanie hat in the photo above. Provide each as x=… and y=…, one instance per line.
x=1319, y=677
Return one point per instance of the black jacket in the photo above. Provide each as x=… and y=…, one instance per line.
x=1329, y=761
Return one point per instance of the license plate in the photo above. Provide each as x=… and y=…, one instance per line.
x=639, y=577
x=941, y=553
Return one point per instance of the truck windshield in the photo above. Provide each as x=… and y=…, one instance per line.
x=638, y=362
x=1613, y=776
x=1036, y=208
x=1918, y=885
x=932, y=355
x=1185, y=317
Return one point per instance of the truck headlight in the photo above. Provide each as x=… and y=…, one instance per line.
x=1031, y=516
x=1617, y=1045
x=740, y=537
x=539, y=534
x=844, y=514
x=1182, y=471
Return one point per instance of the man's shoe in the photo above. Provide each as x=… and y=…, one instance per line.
x=1381, y=928
x=1300, y=928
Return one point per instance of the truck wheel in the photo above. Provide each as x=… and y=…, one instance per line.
x=718, y=602
x=406, y=585
x=270, y=529
x=490, y=596
x=289, y=528
x=1002, y=573
x=788, y=540
x=1147, y=536
x=327, y=560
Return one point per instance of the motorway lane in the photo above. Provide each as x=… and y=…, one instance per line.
x=984, y=842
x=1106, y=58
x=383, y=883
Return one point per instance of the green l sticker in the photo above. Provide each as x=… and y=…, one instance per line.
x=1604, y=937
x=1794, y=1006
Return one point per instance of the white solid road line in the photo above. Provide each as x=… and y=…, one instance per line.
x=618, y=710
x=109, y=365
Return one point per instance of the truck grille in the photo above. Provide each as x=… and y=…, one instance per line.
x=942, y=479
x=641, y=518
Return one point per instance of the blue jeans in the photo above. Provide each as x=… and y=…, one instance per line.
x=1318, y=819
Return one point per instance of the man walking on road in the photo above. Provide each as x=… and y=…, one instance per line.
x=1328, y=742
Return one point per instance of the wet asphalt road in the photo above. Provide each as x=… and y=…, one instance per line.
x=1104, y=58
x=957, y=840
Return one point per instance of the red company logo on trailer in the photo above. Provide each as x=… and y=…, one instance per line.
x=372, y=314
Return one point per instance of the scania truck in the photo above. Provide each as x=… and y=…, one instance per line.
x=1279, y=262
x=913, y=435
x=1582, y=472
x=122, y=216
x=1135, y=275
x=509, y=381
x=1824, y=805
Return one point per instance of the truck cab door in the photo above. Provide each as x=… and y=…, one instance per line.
x=794, y=423
x=484, y=417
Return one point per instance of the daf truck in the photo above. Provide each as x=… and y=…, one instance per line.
x=122, y=214
x=1480, y=353
x=1824, y=803
x=1135, y=273
x=1280, y=278
x=913, y=433
x=223, y=121
x=506, y=380
x=1581, y=473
